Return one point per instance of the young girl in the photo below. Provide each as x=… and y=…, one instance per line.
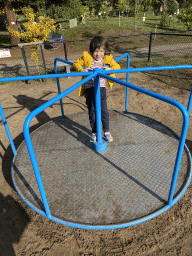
x=98, y=57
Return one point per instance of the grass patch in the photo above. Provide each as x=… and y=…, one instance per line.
x=5, y=39
x=110, y=26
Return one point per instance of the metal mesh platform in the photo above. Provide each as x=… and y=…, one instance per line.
x=129, y=180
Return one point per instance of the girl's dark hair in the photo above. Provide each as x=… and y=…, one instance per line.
x=97, y=42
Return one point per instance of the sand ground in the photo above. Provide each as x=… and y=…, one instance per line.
x=24, y=232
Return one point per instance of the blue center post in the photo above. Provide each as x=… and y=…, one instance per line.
x=100, y=144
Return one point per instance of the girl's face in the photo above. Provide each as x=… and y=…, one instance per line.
x=99, y=53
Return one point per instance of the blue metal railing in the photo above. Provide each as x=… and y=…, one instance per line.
x=185, y=113
x=126, y=55
x=28, y=139
x=127, y=78
x=57, y=79
x=100, y=144
x=101, y=73
x=7, y=131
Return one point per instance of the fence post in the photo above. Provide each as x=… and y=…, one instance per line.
x=65, y=50
x=24, y=58
x=150, y=42
x=43, y=58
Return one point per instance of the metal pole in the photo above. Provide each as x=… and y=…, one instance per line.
x=25, y=60
x=155, y=32
x=98, y=108
x=127, y=88
x=65, y=49
x=35, y=165
x=43, y=58
x=150, y=42
x=100, y=144
x=58, y=87
x=190, y=102
x=7, y=131
x=179, y=156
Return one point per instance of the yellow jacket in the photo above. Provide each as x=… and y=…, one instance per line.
x=86, y=61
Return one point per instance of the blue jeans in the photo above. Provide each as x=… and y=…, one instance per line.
x=90, y=101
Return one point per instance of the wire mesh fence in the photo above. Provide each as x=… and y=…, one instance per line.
x=20, y=63
x=136, y=45
x=169, y=45
x=140, y=47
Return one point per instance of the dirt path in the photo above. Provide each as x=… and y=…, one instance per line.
x=24, y=232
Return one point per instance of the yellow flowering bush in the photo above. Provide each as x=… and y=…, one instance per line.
x=34, y=57
x=34, y=31
x=186, y=17
x=85, y=10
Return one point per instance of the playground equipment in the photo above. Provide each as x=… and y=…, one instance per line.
x=57, y=40
x=67, y=179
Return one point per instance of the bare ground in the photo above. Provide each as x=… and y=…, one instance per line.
x=24, y=232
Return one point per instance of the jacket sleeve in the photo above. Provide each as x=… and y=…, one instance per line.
x=114, y=65
x=78, y=64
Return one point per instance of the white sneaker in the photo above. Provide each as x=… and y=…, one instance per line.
x=108, y=137
x=93, y=137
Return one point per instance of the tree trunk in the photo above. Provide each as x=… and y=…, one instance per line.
x=162, y=5
x=11, y=19
x=135, y=13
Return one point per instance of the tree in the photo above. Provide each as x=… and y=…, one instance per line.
x=136, y=4
x=184, y=3
x=146, y=4
x=105, y=9
x=11, y=20
x=120, y=7
x=34, y=31
x=186, y=17
x=172, y=7
x=97, y=5
x=88, y=3
x=164, y=21
x=76, y=7
x=156, y=6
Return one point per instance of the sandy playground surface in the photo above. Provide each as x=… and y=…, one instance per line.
x=24, y=232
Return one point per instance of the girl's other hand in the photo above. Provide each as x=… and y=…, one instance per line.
x=107, y=68
x=85, y=70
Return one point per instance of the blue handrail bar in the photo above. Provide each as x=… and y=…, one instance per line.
x=62, y=60
x=23, y=78
x=29, y=142
x=57, y=79
x=71, y=63
x=185, y=114
x=190, y=102
x=7, y=131
x=100, y=144
x=127, y=78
